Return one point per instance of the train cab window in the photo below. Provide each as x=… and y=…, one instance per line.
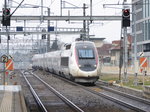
x=86, y=54
x=68, y=46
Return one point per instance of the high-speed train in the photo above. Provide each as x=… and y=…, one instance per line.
x=77, y=61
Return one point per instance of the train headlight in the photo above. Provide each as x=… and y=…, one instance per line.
x=95, y=65
x=79, y=65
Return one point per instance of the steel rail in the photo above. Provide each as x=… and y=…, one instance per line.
x=37, y=99
x=71, y=104
x=130, y=106
x=126, y=95
x=133, y=107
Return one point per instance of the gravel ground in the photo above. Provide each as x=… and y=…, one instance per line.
x=86, y=100
x=134, y=92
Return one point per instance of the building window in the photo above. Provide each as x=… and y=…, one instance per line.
x=146, y=47
x=112, y=53
x=146, y=30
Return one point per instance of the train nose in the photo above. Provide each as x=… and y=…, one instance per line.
x=87, y=67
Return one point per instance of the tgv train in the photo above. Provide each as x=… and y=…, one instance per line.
x=77, y=61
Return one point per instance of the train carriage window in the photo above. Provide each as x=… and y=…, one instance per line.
x=86, y=54
x=64, y=61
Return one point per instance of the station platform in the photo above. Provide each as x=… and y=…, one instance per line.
x=11, y=99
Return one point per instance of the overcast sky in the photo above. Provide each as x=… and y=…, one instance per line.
x=105, y=29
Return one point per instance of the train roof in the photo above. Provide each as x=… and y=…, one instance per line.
x=64, y=47
x=83, y=42
x=37, y=56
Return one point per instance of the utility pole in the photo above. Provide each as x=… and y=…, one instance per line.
x=90, y=10
x=41, y=11
x=121, y=55
x=125, y=53
x=60, y=7
x=4, y=80
x=88, y=29
x=126, y=23
x=135, y=48
x=84, y=22
x=8, y=37
x=25, y=26
x=48, y=35
x=10, y=3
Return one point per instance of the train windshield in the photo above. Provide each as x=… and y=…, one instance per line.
x=86, y=54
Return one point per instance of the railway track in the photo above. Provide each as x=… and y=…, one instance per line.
x=133, y=102
x=139, y=99
x=129, y=101
x=32, y=83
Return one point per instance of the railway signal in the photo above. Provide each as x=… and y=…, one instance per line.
x=6, y=17
x=125, y=17
x=43, y=35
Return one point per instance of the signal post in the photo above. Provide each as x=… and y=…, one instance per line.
x=4, y=59
x=6, y=17
x=125, y=24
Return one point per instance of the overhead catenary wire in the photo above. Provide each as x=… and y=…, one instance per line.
x=52, y=1
x=97, y=3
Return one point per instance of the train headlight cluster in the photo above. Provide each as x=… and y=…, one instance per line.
x=79, y=65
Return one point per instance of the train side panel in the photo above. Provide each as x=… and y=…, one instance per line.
x=73, y=64
x=64, y=62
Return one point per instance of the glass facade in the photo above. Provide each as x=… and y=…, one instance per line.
x=142, y=9
x=146, y=22
x=146, y=12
